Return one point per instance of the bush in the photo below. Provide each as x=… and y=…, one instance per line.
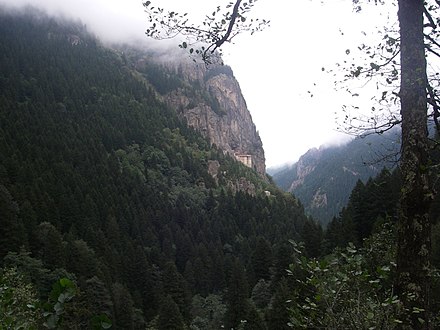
x=341, y=291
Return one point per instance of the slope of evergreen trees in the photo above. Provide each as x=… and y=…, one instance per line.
x=349, y=281
x=370, y=205
x=335, y=172
x=102, y=184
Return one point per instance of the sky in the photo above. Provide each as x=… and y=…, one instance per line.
x=278, y=69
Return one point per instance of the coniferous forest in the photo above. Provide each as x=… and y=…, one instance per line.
x=111, y=219
x=103, y=185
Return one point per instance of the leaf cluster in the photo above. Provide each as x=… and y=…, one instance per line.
x=204, y=39
x=340, y=291
x=18, y=301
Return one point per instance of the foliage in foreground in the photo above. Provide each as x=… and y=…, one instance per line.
x=18, y=301
x=350, y=288
x=20, y=307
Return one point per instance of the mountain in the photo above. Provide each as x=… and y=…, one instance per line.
x=323, y=178
x=103, y=182
x=208, y=97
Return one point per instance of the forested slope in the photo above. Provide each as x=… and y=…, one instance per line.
x=324, y=178
x=101, y=183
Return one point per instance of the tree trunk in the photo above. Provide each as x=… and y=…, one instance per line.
x=413, y=251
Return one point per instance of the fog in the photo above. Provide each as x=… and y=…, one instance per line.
x=106, y=18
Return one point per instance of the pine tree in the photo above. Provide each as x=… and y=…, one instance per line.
x=98, y=298
x=123, y=307
x=175, y=286
x=312, y=235
x=49, y=246
x=12, y=233
x=262, y=259
x=279, y=316
x=254, y=321
x=236, y=296
x=169, y=315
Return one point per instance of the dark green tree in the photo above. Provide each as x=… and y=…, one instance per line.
x=169, y=315
x=262, y=259
x=236, y=297
x=208, y=313
x=254, y=320
x=312, y=235
x=49, y=246
x=98, y=298
x=261, y=294
x=175, y=286
x=278, y=315
x=123, y=307
x=283, y=258
x=12, y=234
x=81, y=259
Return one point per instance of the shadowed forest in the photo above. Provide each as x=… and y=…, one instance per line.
x=110, y=217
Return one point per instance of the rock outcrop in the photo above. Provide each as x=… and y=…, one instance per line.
x=305, y=165
x=211, y=101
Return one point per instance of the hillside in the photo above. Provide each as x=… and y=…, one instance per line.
x=323, y=178
x=103, y=182
x=209, y=99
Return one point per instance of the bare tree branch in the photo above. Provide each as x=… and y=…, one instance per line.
x=432, y=51
x=429, y=17
x=431, y=39
x=230, y=27
x=433, y=101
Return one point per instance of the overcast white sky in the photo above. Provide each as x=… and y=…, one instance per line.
x=275, y=68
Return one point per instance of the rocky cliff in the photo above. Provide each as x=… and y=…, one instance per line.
x=305, y=165
x=219, y=111
x=210, y=100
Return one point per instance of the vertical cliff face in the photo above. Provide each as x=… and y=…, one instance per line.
x=305, y=166
x=210, y=99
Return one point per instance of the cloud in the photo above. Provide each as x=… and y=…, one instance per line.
x=110, y=20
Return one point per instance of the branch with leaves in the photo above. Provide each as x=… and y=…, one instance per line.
x=206, y=39
x=382, y=66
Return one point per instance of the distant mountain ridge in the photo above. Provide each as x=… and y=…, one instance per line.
x=324, y=177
